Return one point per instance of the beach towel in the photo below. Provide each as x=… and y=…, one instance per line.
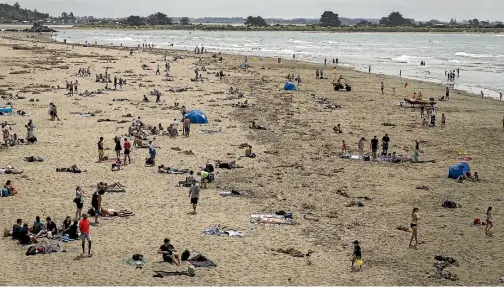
x=276, y=219
x=230, y=193
x=135, y=263
x=215, y=230
x=201, y=261
x=208, y=132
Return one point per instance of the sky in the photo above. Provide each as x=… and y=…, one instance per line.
x=418, y=9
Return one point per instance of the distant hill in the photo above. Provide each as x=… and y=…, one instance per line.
x=14, y=13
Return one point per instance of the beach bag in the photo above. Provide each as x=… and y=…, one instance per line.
x=210, y=177
x=185, y=255
x=209, y=168
x=138, y=257
x=5, y=192
x=148, y=161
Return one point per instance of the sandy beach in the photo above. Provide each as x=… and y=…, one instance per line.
x=298, y=169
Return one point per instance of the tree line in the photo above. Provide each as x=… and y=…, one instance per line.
x=153, y=20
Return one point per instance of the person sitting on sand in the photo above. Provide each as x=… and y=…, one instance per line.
x=9, y=187
x=337, y=129
x=25, y=237
x=249, y=153
x=49, y=230
x=117, y=165
x=169, y=253
x=66, y=225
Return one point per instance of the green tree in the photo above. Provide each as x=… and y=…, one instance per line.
x=71, y=15
x=255, y=21
x=395, y=19
x=17, y=6
x=364, y=23
x=135, y=20
x=329, y=19
x=64, y=15
x=185, y=21
x=159, y=19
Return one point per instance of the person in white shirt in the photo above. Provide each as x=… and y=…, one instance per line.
x=174, y=128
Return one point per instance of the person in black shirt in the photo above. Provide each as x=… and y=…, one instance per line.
x=25, y=237
x=96, y=201
x=385, y=143
x=169, y=252
x=118, y=147
x=72, y=231
x=16, y=228
x=357, y=255
x=374, y=147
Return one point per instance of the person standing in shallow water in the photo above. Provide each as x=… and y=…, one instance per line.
x=414, y=226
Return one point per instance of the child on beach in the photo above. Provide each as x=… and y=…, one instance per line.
x=443, y=121
x=357, y=255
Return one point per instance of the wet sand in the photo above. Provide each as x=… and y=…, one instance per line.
x=297, y=169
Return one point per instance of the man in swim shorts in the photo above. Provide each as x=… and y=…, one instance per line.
x=85, y=235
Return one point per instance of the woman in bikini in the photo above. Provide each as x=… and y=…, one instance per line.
x=489, y=223
x=414, y=226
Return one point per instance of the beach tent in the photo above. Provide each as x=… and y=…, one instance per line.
x=289, y=86
x=197, y=117
x=458, y=169
x=5, y=110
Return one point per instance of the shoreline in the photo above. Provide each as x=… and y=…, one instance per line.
x=472, y=91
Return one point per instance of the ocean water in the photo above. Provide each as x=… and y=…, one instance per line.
x=480, y=58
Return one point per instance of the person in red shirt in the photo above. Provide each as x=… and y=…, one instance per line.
x=127, y=148
x=85, y=235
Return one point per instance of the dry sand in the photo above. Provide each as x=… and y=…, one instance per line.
x=298, y=169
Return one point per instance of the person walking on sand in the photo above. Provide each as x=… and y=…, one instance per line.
x=79, y=202
x=118, y=147
x=194, y=192
x=115, y=82
x=357, y=254
x=100, y=149
x=443, y=121
x=414, y=226
x=157, y=70
x=127, y=149
x=85, y=234
x=447, y=93
x=382, y=87
x=369, y=69
x=489, y=223
x=500, y=97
